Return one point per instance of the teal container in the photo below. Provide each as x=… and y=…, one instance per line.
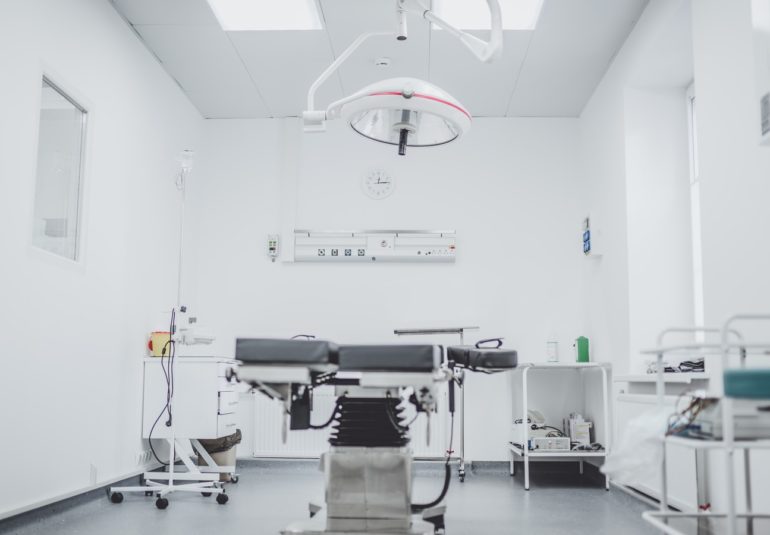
x=581, y=347
x=752, y=383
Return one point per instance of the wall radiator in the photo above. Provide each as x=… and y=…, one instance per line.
x=268, y=423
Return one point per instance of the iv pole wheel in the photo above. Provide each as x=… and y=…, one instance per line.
x=234, y=478
x=161, y=503
x=222, y=498
x=205, y=494
x=116, y=497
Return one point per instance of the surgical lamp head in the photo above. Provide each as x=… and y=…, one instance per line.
x=405, y=112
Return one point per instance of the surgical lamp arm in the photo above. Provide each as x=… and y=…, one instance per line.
x=314, y=118
x=484, y=51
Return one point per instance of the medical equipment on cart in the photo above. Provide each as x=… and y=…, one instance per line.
x=203, y=479
x=731, y=344
x=368, y=467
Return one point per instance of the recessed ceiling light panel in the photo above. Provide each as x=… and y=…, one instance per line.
x=266, y=15
x=474, y=14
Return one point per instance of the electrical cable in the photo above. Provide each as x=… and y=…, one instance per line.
x=418, y=507
x=392, y=417
x=169, y=378
x=331, y=418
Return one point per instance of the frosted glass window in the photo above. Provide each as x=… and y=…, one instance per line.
x=59, y=172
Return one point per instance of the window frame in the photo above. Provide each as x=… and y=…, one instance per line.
x=72, y=97
x=696, y=219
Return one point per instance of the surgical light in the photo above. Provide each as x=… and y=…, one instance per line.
x=406, y=112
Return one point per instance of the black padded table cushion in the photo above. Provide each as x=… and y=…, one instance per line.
x=280, y=352
x=483, y=358
x=389, y=358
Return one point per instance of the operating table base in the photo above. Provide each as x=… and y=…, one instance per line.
x=317, y=526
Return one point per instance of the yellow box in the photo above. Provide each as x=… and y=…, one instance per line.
x=159, y=340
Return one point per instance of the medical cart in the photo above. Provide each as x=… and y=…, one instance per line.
x=521, y=451
x=732, y=344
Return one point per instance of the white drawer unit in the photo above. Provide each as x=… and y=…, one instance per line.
x=226, y=424
x=204, y=405
x=228, y=402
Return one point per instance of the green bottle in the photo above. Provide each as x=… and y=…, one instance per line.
x=581, y=343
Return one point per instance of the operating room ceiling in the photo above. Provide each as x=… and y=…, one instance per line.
x=547, y=72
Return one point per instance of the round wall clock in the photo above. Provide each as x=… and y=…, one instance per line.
x=378, y=185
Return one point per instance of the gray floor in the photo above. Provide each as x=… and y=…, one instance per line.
x=271, y=495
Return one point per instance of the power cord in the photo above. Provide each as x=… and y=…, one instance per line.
x=168, y=374
x=418, y=507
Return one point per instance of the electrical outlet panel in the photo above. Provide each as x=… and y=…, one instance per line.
x=375, y=246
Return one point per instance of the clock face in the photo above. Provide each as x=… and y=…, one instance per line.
x=378, y=185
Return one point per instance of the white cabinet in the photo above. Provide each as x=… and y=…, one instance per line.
x=204, y=404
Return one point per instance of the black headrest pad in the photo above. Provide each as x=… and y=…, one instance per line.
x=278, y=352
x=483, y=358
x=389, y=358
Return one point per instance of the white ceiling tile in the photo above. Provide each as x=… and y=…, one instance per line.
x=228, y=102
x=549, y=72
x=205, y=64
x=483, y=88
x=284, y=64
x=188, y=12
x=345, y=20
x=570, y=51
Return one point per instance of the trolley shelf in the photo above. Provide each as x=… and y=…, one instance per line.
x=680, y=377
x=534, y=453
x=708, y=444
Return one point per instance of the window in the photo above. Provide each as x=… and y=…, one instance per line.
x=59, y=172
x=695, y=212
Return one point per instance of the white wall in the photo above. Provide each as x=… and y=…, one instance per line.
x=735, y=186
x=511, y=189
x=634, y=144
x=72, y=334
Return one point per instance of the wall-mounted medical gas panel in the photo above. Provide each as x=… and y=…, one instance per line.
x=375, y=246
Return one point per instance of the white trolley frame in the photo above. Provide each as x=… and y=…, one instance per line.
x=204, y=479
x=574, y=456
x=726, y=348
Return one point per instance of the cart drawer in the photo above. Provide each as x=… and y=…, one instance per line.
x=226, y=424
x=228, y=402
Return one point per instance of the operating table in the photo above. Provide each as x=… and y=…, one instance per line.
x=368, y=468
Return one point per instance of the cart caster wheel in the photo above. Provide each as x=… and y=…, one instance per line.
x=205, y=494
x=233, y=478
x=161, y=503
x=148, y=493
x=222, y=498
x=116, y=497
x=462, y=477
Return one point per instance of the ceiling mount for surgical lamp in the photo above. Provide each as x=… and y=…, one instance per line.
x=406, y=112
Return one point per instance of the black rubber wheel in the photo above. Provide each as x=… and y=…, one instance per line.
x=161, y=503
x=234, y=478
x=116, y=497
x=205, y=494
x=462, y=477
x=222, y=498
